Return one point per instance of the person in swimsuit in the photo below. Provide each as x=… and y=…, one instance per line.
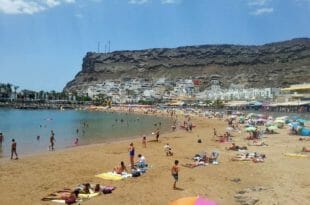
x=1, y=137
x=157, y=132
x=175, y=173
x=13, y=149
x=120, y=169
x=52, y=141
x=131, y=155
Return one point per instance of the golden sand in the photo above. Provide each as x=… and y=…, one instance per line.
x=279, y=180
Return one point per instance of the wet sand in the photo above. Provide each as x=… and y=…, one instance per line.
x=279, y=180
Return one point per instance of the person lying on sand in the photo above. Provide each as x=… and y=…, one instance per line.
x=195, y=164
x=255, y=157
x=235, y=147
x=202, y=157
x=120, y=168
x=304, y=149
x=304, y=139
x=257, y=143
x=69, y=196
x=224, y=138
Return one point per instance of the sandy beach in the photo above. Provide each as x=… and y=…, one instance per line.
x=278, y=180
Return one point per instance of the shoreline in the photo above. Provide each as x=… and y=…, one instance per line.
x=29, y=179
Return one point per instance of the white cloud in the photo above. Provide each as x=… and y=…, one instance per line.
x=52, y=3
x=170, y=1
x=29, y=6
x=260, y=7
x=138, y=1
x=261, y=11
x=80, y=16
x=257, y=2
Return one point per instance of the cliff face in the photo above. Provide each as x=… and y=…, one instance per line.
x=270, y=65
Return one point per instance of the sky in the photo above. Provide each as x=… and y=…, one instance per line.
x=43, y=42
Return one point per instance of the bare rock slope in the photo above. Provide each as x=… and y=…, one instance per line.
x=271, y=65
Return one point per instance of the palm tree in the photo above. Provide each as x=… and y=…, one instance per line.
x=8, y=90
x=15, y=91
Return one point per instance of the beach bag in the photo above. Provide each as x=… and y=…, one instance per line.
x=106, y=191
x=136, y=174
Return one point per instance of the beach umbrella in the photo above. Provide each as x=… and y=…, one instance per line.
x=250, y=115
x=269, y=123
x=229, y=129
x=261, y=116
x=250, y=129
x=282, y=118
x=294, y=124
x=279, y=121
x=301, y=121
x=233, y=116
x=193, y=201
x=294, y=117
x=261, y=120
x=272, y=127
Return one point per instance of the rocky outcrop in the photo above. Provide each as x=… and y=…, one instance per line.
x=270, y=65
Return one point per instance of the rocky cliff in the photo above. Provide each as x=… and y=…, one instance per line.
x=271, y=65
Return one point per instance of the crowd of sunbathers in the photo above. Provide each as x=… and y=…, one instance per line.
x=203, y=159
x=248, y=156
x=70, y=196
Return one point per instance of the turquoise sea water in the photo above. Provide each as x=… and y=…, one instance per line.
x=93, y=127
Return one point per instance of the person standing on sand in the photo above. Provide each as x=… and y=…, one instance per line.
x=13, y=149
x=175, y=173
x=214, y=132
x=131, y=155
x=52, y=141
x=76, y=142
x=144, y=141
x=157, y=133
x=1, y=137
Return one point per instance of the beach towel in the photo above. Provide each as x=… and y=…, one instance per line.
x=113, y=176
x=296, y=155
x=60, y=201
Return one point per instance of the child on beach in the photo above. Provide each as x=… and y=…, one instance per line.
x=144, y=141
x=13, y=149
x=141, y=163
x=168, y=150
x=175, y=173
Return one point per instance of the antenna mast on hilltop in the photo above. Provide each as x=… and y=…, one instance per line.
x=98, y=47
x=109, y=46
